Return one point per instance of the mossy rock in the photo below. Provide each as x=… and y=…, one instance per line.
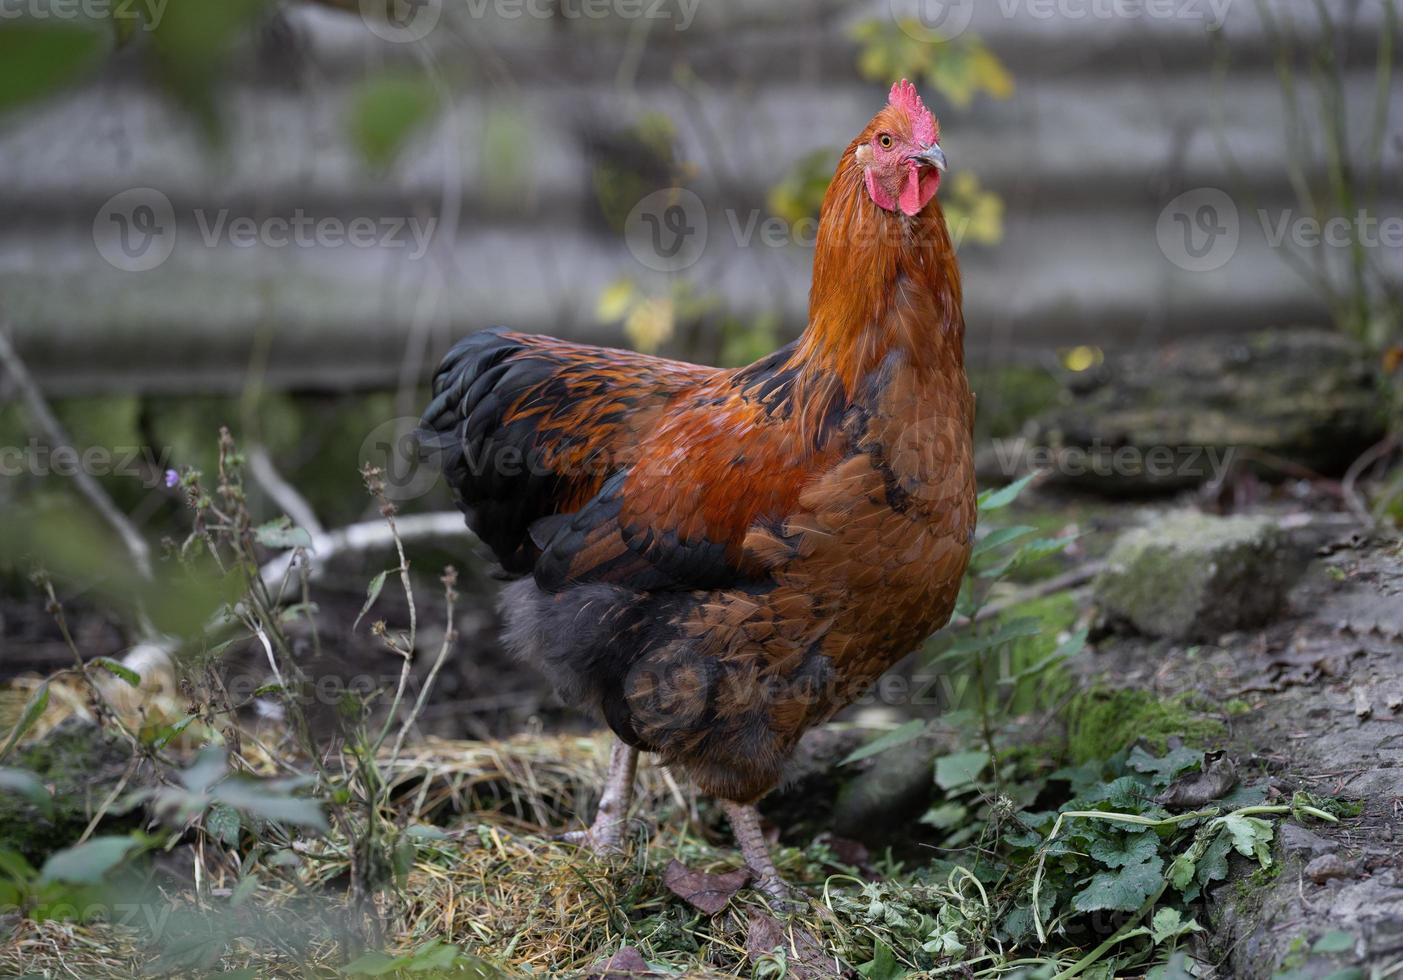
x=1149, y=421
x=81, y=765
x=1101, y=723
x=1193, y=576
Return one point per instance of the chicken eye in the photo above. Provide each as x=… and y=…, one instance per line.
x=885, y=140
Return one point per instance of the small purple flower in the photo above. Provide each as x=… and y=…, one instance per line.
x=172, y=478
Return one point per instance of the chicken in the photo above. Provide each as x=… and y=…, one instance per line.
x=718, y=560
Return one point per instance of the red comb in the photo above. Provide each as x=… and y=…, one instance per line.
x=923, y=127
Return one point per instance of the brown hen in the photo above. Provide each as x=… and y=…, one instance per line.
x=718, y=560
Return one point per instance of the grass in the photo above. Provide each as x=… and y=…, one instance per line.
x=491, y=881
x=487, y=892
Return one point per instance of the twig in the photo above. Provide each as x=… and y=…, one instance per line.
x=366, y=536
x=259, y=632
x=450, y=637
x=110, y=799
x=1348, y=489
x=44, y=419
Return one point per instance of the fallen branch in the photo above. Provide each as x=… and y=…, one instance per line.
x=366, y=536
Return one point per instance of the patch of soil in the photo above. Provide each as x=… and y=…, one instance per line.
x=1315, y=702
x=481, y=693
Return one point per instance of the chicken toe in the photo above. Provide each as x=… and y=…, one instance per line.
x=606, y=835
x=745, y=822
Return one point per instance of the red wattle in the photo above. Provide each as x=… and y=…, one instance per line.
x=917, y=188
x=878, y=193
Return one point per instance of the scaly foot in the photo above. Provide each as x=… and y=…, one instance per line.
x=605, y=837
x=745, y=821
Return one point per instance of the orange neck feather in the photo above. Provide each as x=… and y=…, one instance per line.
x=882, y=282
x=868, y=262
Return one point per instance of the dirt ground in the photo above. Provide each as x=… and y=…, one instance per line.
x=1318, y=698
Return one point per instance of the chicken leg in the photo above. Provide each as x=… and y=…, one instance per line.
x=745, y=822
x=605, y=836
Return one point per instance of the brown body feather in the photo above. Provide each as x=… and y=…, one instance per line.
x=721, y=559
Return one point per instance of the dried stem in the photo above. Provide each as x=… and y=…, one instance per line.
x=450, y=638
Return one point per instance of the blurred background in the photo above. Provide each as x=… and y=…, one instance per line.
x=1180, y=224
x=244, y=633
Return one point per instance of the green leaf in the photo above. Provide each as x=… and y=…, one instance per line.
x=947, y=816
x=1002, y=497
x=119, y=670
x=385, y=113
x=224, y=824
x=371, y=594
x=1121, y=793
x=208, y=768
x=1176, y=968
x=282, y=533
x=26, y=784
x=1000, y=537
x=86, y=864
x=297, y=611
x=1337, y=941
x=1073, y=646
x=11, y=896
x=1213, y=866
x=373, y=964
x=1246, y=794
x=883, y=965
x=1026, y=554
x=900, y=735
x=254, y=798
x=1166, y=923
x=435, y=955
x=1124, y=890
x=1130, y=849
x=1251, y=836
x=1042, y=548
x=1181, y=872
x=16, y=866
x=1169, y=924
x=168, y=734
x=37, y=59
x=978, y=642
x=960, y=769
x=1165, y=769
x=33, y=709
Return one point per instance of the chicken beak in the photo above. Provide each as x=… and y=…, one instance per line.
x=931, y=156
